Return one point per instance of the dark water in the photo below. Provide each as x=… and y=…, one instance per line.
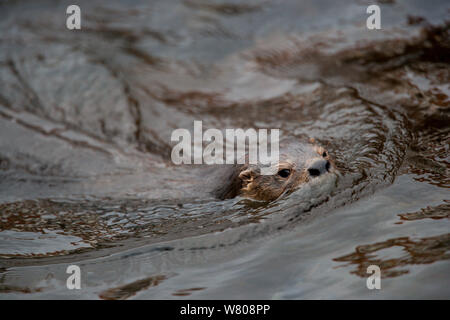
x=85, y=171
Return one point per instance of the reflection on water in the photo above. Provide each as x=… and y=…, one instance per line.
x=35, y=244
x=9, y=289
x=128, y=290
x=88, y=225
x=186, y=292
x=437, y=212
x=85, y=125
x=411, y=252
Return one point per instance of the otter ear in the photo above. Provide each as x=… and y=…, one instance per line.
x=247, y=175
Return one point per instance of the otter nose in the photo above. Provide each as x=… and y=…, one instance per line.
x=319, y=167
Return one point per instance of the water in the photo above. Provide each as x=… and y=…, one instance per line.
x=85, y=171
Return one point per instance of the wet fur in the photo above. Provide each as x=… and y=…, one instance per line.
x=246, y=180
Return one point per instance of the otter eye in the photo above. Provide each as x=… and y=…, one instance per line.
x=284, y=173
x=324, y=154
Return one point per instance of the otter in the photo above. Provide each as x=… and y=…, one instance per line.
x=299, y=163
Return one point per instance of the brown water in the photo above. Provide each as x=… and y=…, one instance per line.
x=85, y=171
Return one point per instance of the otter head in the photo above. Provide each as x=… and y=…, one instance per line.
x=299, y=163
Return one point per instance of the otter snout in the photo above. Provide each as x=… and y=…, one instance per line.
x=319, y=167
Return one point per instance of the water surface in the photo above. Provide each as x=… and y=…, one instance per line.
x=85, y=171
